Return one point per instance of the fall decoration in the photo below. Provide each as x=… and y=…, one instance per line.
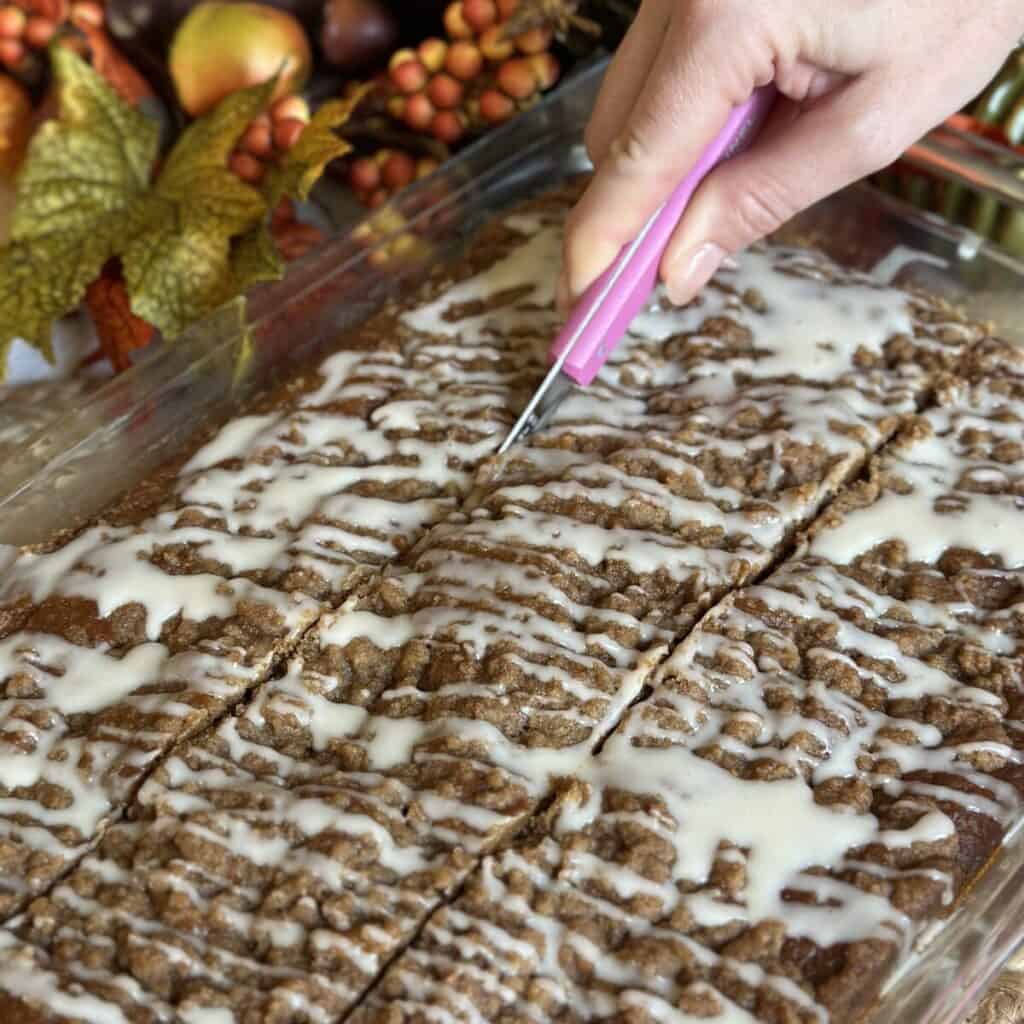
x=376, y=178
x=222, y=47
x=28, y=26
x=119, y=330
x=159, y=144
x=357, y=34
x=15, y=124
x=186, y=240
x=495, y=61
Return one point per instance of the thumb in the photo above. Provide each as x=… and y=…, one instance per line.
x=798, y=160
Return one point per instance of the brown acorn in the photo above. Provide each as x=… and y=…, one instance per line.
x=222, y=47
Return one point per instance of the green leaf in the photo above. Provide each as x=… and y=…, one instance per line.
x=81, y=182
x=179, y=267
x=255, y=258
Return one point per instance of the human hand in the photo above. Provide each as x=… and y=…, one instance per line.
x=858, y=82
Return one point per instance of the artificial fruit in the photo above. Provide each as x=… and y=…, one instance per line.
x=222, y=47
x=357, y=34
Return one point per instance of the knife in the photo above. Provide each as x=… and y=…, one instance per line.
x=601, y=318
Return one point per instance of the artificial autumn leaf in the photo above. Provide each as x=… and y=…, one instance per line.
x=316, y=147
x=81, y=180
x=179, y=267
x=119, y=330
x=255, y=258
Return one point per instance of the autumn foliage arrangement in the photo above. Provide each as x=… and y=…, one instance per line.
x=149, y=187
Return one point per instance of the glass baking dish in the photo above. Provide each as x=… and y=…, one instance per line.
x=135, y=422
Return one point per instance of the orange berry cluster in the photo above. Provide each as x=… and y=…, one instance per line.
x=480, y=75
x=26, y=26
x=269, y=136
x=376, y=178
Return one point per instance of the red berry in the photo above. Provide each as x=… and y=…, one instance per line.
x=506, y=8
x=12, y=22
x=448, y=126
x=284, y=212
x=494, y=46
x=445, y=92
x=479, y=14
x=516, y=78
x=398, y=171
x=248, y=168
x=545, y=70
x=378, y=198
x=409, y=75
x=455, y=22
x=495, y=106
x=86, y=14
x=419, y=112
x=364, y=174
x=257, y=140
x=39, y=32
x=288, y=132
x=290, y=107
x=464, y=61
x=534, y=40
x=12, y=51
x=432, y=53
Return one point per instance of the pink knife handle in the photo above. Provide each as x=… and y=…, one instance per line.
x=632, y=290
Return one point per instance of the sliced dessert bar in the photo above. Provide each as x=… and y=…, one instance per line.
x=821, y=768
x=132, y=634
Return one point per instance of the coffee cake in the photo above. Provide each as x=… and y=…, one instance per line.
x=469, y=631
x=819, y=771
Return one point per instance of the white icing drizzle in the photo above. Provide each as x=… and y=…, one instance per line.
x=530, y=268
x=928, y=522
x=23, y=976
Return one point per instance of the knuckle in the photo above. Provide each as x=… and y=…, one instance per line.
x=633, y=149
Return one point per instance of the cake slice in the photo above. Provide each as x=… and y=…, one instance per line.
x=819, y=771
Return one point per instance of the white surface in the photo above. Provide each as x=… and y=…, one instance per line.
x=73, y=340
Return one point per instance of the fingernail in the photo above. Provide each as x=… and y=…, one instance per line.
x=562, y=295
x=691, y=271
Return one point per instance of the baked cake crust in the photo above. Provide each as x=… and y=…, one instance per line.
x=396, y=727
